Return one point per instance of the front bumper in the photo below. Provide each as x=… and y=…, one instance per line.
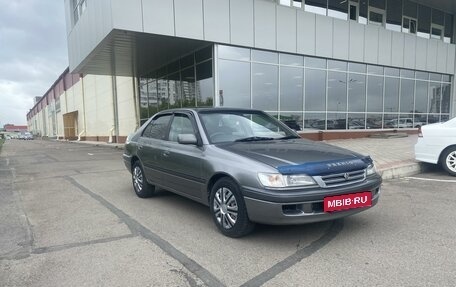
x=304, y=206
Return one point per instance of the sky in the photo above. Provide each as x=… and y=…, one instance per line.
x=33, y=54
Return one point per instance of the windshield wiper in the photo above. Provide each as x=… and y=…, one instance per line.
x=289, y=137
x=251, y=139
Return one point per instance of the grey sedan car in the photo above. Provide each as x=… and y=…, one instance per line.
x=248, y=168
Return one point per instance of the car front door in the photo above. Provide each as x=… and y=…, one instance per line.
x=182, y=163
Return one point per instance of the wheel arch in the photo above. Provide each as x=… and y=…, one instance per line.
x=216, y=177
x=453, y=146
x=134, y=159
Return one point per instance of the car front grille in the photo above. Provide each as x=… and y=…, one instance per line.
x=341, y=179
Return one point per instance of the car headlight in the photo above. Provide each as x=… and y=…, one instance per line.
x=371, y=170
x=280, y=180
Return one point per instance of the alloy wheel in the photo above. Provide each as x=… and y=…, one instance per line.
x=451, y=161
x=138, y=179
x=225, y=207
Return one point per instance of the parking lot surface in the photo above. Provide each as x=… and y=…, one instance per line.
x=70, y=217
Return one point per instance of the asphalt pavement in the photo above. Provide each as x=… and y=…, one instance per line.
x=69, y=217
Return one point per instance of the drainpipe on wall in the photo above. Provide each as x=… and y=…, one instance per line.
x=135, y=81
x=115, y=130
x=81, y=76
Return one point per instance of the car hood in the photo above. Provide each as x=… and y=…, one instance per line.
x=300, y=156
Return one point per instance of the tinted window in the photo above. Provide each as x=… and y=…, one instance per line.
x=204, y=85
x=291, y=81
x=448, y=28
x=234, y=84
x=181, y=124
x=437, y=17
x=356, y=93
x=374, y=94
x=293, y=60
x=157, y=128
x=407, y=91
x=391, y=95
x=421, y=97
x=424, y=21
x=337, y=91
x=338, y=9
x=266, y=57
x=233, y=53
x=315, y=96
x=394, y=15
x=264, y=87
x=410, y=9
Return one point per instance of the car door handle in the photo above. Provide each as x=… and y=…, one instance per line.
x=166, y=153
x=140, y=146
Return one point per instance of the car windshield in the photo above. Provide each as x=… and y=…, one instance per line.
x=243, y=126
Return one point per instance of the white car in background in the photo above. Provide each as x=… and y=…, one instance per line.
x=437, y=144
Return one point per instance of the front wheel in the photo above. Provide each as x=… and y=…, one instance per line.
x=142, y=188
x=228, y=209
x=449, y=160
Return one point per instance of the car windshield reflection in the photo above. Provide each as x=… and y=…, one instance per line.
x=227, y=126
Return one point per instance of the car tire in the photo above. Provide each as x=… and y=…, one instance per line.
x=142, y=188
x=228, y=209
x=448, y=160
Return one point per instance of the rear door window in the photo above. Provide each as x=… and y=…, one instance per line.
x=158, y=128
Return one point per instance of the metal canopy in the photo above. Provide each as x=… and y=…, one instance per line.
x=125, y=53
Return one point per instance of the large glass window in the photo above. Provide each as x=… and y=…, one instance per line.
x=204, y=85
x=448, y=28
x=315, y=97
x=291, y=88
x=233, y=53
x=424, y=21
x=337, y=91
x=394, y=15
x=391, y=104
x=264, y=87
x=374, y=94
x=188, y=87
x=316, y=6
x=435, y=97
x=407, y=92
x=446, y=97
x=175, y=91
x=356, y=93
x=338, y=9
x=421, y=97
x=234, y=84
x=363, y=12
x=410, y=9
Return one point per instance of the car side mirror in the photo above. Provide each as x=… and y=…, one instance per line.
x=187, y=139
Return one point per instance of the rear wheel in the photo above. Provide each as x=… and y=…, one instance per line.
x=448, y=160
x=142, y=188
x=228, y=209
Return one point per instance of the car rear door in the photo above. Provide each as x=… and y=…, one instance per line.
x=182, y=163
x=151, y=147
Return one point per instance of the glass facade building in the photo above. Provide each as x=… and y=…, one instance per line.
x=307, y=92
x=396, y=15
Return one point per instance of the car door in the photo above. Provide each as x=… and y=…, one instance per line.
x=150, y=147
x=183, y=162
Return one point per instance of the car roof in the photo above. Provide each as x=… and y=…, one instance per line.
x=210, y=109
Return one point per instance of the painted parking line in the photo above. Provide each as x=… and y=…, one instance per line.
x=431, y=179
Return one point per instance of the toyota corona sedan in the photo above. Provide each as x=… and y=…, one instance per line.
x=248, y=168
